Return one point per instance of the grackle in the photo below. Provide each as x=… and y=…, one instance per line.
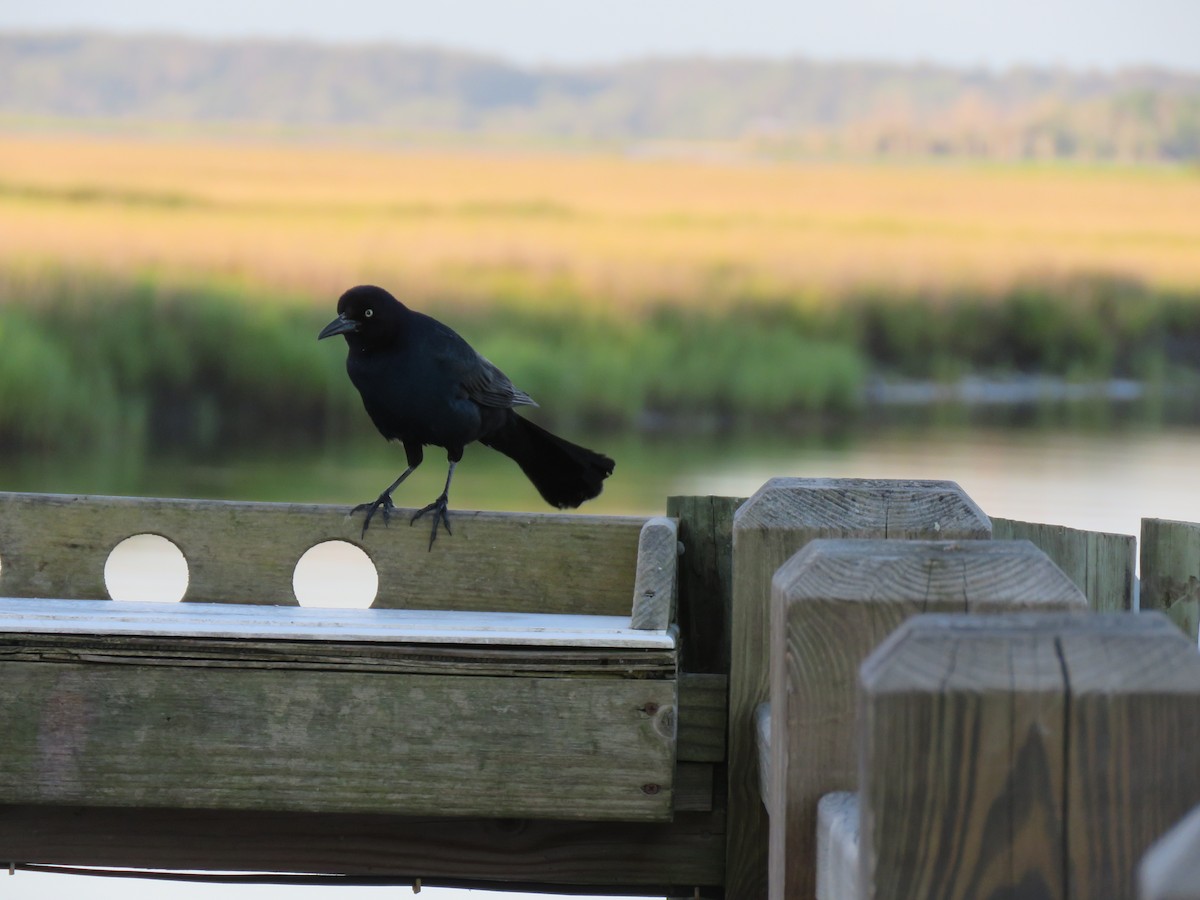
x=423, y=384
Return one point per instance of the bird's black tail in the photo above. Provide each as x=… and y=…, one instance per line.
x=565, y=474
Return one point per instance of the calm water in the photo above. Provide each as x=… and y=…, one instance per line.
x=1099, y=479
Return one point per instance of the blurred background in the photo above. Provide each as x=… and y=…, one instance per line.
x=720, y=242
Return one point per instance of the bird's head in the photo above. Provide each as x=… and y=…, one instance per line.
x=366, y=314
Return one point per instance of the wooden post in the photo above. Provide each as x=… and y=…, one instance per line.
x=1171, y=571
x=1101, y=564
x=1024, y=755
x=705, y=579
x=1170, y=870
x=783, y=516
x=833, y=603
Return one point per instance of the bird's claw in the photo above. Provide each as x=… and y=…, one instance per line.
x=440, y=515
x=382, y=504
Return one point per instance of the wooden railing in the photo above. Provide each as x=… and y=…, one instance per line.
x=564, y=702
x=512, y=697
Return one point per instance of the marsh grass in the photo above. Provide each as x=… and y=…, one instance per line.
x=170, y=291
x=89, y=358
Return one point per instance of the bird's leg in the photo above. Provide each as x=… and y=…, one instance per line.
x=382, y=503
x=438, y=508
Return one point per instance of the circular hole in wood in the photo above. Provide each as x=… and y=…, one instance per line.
x=335, y=574
x=146, y=567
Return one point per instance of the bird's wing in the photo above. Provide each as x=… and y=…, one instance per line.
x=488, y=386
x=482, y=381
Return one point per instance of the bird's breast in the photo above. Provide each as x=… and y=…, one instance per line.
x=412, y=403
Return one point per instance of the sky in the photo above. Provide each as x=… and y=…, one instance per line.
x=1081, y=34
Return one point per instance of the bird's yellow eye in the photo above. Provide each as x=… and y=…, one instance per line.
x=369, y=313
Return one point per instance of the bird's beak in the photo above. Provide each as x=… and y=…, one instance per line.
x=340, y=325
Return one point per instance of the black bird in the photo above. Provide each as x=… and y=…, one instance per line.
x=423, y=384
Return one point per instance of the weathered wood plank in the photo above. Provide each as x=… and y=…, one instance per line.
x=56, y=546
x=703, y=717
x=570, y=854
x=224, y=620
x=1170, y=870
x=374, y=658
x=311, y=740
x=1024, y=755
x=833, y=603
x=1171, y=571
x=705, y=579
x=783, y=516
x=654, y=583
x=837, y=847
x=1100, y=564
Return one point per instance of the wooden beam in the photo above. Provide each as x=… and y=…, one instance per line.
x=555, y=854
x=326, y=727
x=290, y=623
x=1102, y=565
x=654, y=582
x=783, y=516
x=1170, y=870
x=1171, y=571
x=1024, y=755
x=56, y=545
x=833, y=603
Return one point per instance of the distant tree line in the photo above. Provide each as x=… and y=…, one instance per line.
x=782, y=109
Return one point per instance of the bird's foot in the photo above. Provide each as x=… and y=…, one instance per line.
x=382, y=504
x=440, y=515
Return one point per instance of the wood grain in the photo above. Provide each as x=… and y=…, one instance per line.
x=1024, y=755
x=654, y=582
x=833, y=603
x=375, y=657
x=56, y=545
x=1171, y=571
x=958, y=769
x=1101, y=565
x=228, y=732
x=780, y=519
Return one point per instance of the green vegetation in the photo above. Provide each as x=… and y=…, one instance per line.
x=85, y=359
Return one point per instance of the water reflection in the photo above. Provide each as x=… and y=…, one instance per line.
x=1101, y=479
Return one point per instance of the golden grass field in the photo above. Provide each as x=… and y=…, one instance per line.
x=311, y=219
